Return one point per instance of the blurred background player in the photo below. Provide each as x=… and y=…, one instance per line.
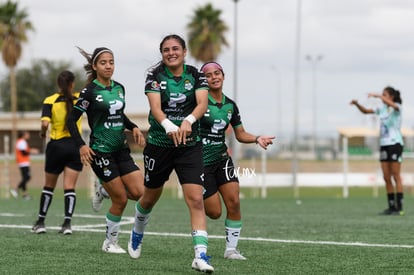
x=108, y=153
x=22, y=152
x=62, y=154
x=391, y=145
x=219, y=172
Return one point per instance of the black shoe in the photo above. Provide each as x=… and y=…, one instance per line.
x=66, y=229
x=390, y=211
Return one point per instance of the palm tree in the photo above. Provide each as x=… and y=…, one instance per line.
x=13, y=28
x=206, y=33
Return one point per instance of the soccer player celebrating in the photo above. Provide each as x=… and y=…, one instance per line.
x=219, y=176
x=108, y=153
x=177, y=95
x=391, y=145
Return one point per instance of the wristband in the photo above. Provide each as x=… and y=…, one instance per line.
x=190, y=118
x=257, y=139
x=169, y=126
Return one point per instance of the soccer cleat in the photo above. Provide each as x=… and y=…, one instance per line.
x=14, y=193
x=112, y=247
x=389, y=211
x=66, y=229
x=398, y=213
x=233, y=254
x=135, y=244
x=202, y=264
x=98, y=198
x=39, y=227
x=27, y=197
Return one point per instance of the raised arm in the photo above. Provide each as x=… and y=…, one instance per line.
x=361, y=108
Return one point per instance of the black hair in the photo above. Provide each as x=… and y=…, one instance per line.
x=92, y=59
x=173, y=36
x=64, y=82
x=180, y=40
x=395, y=94
x=20, y=134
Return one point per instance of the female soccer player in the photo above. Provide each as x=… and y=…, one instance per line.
x=391, y=145
x=177, y=95
x=108, y=153
x=219, y=177
x=62, y=154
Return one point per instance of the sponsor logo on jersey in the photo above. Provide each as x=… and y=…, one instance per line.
x=176, y=98
x=163, y=85
x=99, y=98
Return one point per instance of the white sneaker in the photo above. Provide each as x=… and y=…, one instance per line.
x=14, y=193
x=202, y=264
x=233, y=255
x=112, y=247
x=98, y=198
x=39, y=227
x=135, y=244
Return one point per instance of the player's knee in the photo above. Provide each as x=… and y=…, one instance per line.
x=119, y=203
x=215, y=214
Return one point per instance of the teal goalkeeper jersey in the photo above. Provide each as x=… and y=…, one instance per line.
x=178, y=100
x=390, y=128
x=105, y=109
x=213, y=126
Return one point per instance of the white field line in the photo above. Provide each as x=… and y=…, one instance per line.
x=100, y=228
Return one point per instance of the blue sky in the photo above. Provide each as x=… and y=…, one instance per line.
x=366, y=45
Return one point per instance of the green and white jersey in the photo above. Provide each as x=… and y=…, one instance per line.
x=390, y=125
x=105, y=109
x=178, y=100
x=213, y=126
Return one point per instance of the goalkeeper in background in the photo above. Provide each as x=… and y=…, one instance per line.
x=391, y=145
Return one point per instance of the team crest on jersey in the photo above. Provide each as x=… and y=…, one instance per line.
x=229, y=113
x=85, y=104
x=187, y=85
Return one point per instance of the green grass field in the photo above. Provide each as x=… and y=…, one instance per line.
x=323, y=234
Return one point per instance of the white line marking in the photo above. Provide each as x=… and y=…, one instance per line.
x=166, y=234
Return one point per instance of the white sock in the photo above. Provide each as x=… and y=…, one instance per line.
x=112, y=230
x=200, y=242
x=233, y=229
x=141, y=218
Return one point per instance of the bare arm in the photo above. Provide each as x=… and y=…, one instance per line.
x=361, y=108
x=43, y=128
x=245, y=137
x=386, y=101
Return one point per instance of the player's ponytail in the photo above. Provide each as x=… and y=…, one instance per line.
x=64, y=82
